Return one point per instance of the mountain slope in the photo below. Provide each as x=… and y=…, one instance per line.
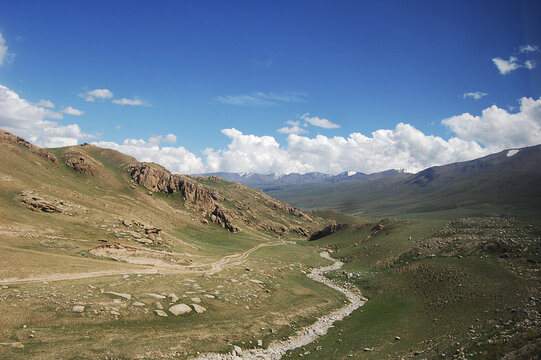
x=508, y=182
x=92, y=240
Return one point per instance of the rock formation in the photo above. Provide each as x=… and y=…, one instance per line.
x=154, y=177
x=10, y=138
x=81, y=162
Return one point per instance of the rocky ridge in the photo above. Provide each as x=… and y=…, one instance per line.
x=210, y=202
x=7, y=137
x=81, y=162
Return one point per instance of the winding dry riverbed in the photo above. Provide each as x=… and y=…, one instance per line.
x=305, y=336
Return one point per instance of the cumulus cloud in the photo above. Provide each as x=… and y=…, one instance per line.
x=475, y=95
x=97, y=94
x=528, y=48
x=263, y=99
x=295, y=128
x=251, y=153
x=131, y=102
x=176, y=159
x=497, y=129
x=25, y=119
x=72, y=111
x=170, y=139
x=506, y=66
x=316, y=121
x=45, y=103
x=402, y=147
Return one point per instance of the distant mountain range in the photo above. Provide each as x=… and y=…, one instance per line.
x=504, y=183
x=274, y=182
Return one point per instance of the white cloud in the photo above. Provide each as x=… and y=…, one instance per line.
x=316, y=121
x=30, y=121
x=97, y=94
x=475, y=95
x=45, y=103
x=176, y=159
x=4, y=54
x=73, y=111
x=506, y=66
x=170, y=139
x=295, y=128
x=498, y=129
x=263, y=99
x=528, y=48
x=131, y=102
x=529, y=64
x=252, y=154
x=402, y=147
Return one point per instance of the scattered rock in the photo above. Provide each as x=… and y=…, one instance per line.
x=179, y=309
x=159, y=305
x=198, y=308
x=196, y=300
x=156, y=296
x=173, y=298
x=160, y=313
x=78, y=308
x=137, y=303
x=237, y=351
x=120, y=295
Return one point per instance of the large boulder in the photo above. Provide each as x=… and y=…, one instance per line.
x=180, y=309
x=154, y=177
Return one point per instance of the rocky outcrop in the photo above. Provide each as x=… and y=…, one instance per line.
x=278, y=205
x=221, y=217
x=50, y=205
x=195, y=196
x=7, y=137
x=327, y=231
x=154, y=177
x=81, y=162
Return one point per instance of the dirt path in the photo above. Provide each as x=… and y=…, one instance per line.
x=305, y=336
x=215, y=267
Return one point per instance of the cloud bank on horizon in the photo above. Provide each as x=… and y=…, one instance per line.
x=404, y=147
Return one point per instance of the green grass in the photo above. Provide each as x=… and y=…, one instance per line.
x=436, y=305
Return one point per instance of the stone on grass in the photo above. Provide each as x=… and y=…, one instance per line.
x=173, y=297
x=179, y=309
x=196, y=300
x=78, y=308
x=198, y=308
x=156, y=296
x=160, y=313
x=120, y=295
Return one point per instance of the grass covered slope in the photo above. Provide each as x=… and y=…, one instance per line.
x=90, y=253
x=462, y=289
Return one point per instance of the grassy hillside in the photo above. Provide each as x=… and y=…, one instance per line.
x=89, y=255
x=437, y=289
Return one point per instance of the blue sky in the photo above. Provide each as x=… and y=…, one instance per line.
x=195, y=68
